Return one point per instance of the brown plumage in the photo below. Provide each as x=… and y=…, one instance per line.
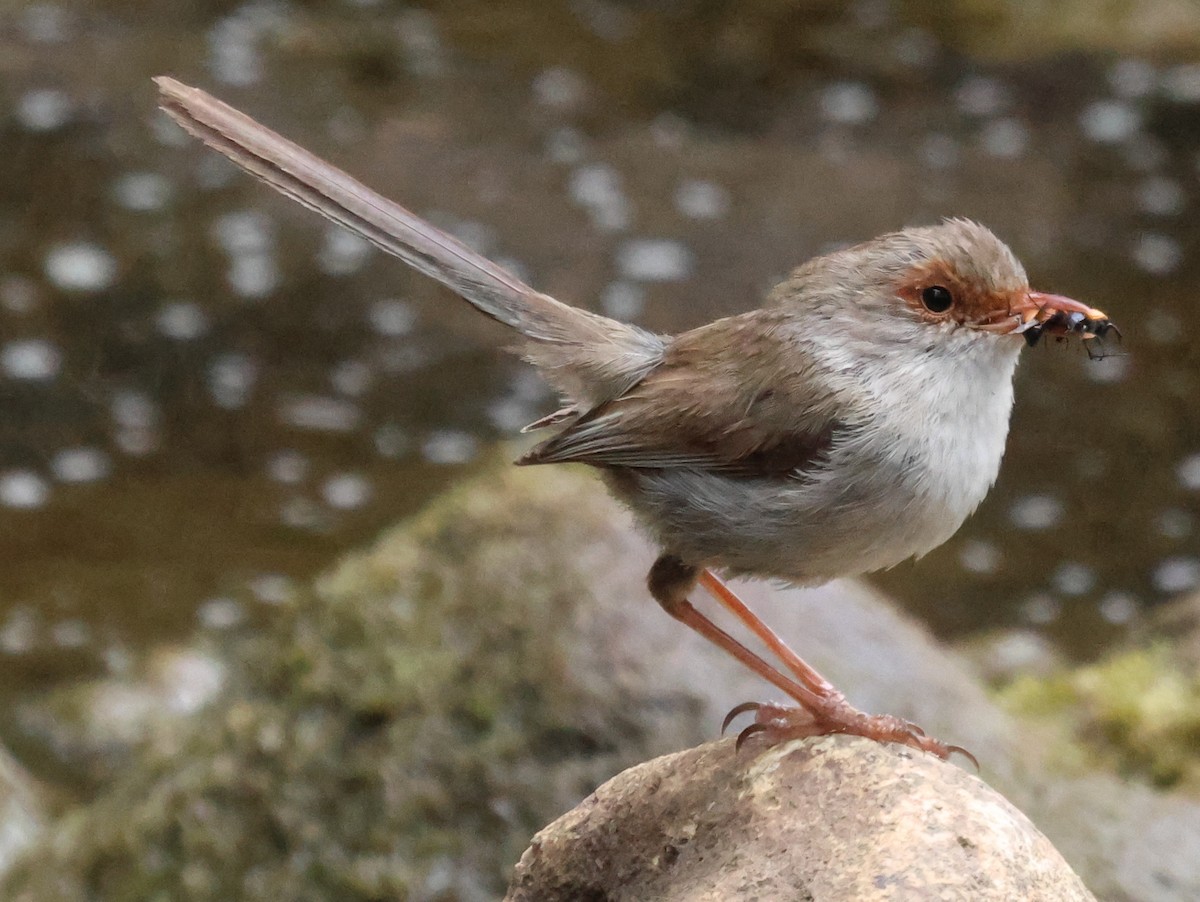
x=853, y=422
x=733, y=427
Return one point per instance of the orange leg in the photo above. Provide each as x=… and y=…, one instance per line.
x=803, y=671
x=686, y=613
x=823, y=709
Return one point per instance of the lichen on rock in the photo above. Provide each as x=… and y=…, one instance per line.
x=1136, y=712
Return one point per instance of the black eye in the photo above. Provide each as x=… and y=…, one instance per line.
x=936, y=299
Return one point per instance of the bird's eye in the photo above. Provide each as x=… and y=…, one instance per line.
x=936, y=299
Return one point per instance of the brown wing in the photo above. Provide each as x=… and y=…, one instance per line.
x=735, y=397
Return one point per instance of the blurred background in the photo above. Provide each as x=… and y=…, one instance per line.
x=207, y=393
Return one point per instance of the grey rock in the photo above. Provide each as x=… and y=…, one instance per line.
x=834, y=818
x=1001, y=656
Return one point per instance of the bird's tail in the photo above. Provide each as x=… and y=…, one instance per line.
x=588, y=357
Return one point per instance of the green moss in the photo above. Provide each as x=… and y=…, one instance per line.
x=1138, y=712
x=402, y=729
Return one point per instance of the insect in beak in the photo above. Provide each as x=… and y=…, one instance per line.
x=1037, y=313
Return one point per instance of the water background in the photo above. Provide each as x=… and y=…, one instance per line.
x=207, y=392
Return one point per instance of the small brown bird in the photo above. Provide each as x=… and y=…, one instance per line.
x=853, y=422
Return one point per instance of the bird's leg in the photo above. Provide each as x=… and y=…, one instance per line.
x=670, y=581
x=823, y=709
x=803, y=671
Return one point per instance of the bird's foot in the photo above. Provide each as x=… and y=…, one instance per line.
x=775, y=723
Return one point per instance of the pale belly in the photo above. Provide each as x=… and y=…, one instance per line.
x=805, y=531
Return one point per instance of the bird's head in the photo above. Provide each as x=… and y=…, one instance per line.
x=951, y=285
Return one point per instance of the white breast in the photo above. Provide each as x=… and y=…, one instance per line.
x=923, y=453
x=950, y=411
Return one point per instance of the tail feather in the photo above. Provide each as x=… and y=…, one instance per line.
x=588, y=357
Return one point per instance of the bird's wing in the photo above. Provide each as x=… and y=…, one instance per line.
x=734, y=397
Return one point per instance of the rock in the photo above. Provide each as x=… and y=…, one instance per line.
x=834, y=818
x=1002, y=656
x=1135, y=712
x=1130, y=843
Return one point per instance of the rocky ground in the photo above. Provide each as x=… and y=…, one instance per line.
x=405, y=727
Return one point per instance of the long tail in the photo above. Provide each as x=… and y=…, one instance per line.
x=588, y=357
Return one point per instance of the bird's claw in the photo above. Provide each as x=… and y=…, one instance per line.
x=736, y=712
x=958, y=749
x=777, y=723
x=753, y=730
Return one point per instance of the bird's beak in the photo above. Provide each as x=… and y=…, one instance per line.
x=1038, y=311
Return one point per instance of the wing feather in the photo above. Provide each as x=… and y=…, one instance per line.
x=718, y=402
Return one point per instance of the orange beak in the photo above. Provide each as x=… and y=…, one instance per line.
x=1036, y=313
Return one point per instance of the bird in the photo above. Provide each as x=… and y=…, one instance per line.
x=851, y=422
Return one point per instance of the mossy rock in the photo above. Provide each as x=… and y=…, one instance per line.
x=1137, y=712
x=399, y=732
